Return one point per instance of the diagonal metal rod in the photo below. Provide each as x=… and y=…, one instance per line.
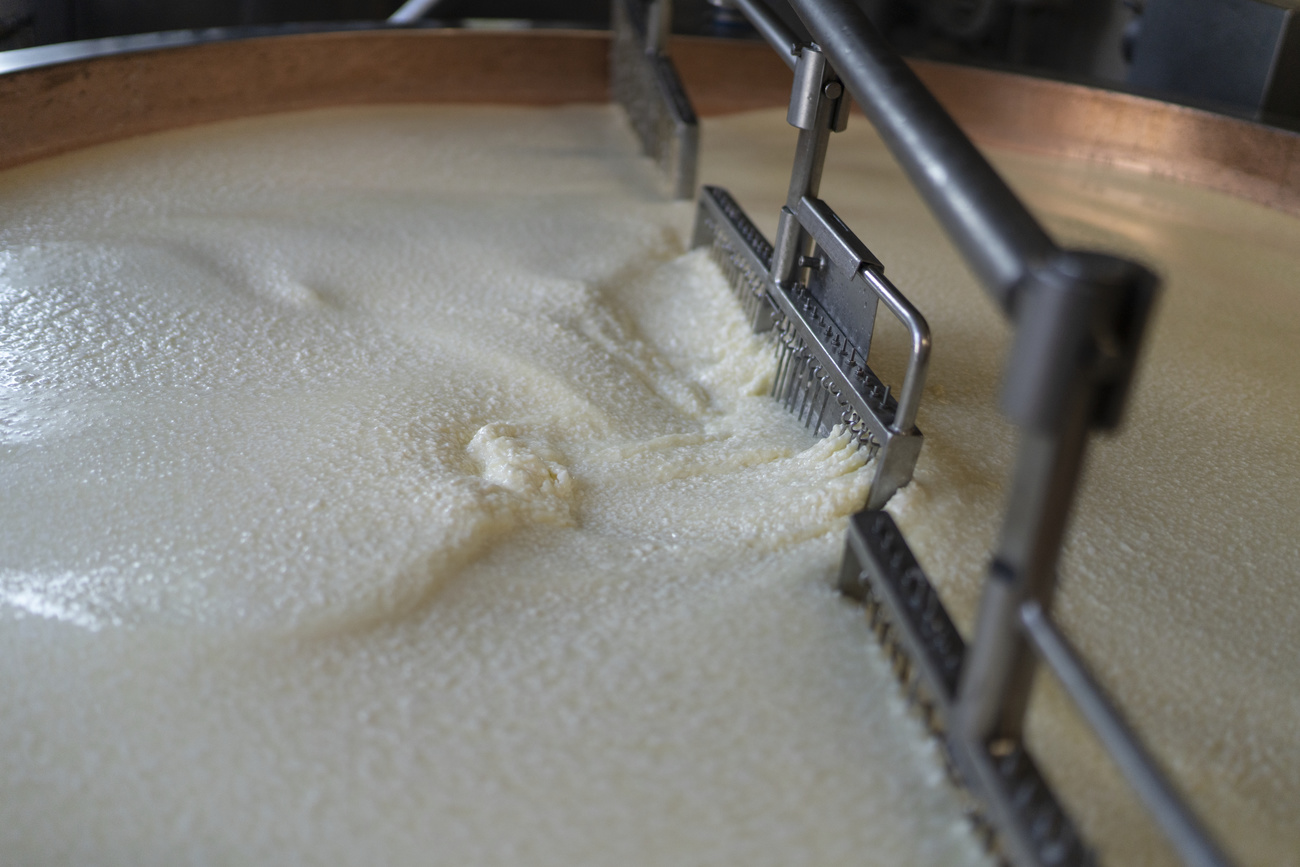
x=1184, y=831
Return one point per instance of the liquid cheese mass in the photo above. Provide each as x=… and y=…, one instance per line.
x=388, y=486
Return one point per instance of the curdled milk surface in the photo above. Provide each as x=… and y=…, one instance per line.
x=386, y=486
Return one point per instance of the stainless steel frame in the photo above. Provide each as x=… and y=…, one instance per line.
x=1080, y=318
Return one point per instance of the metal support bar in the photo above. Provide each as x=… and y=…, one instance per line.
x=998, y=673
x=813, y=110
x=1189, y=838
x=1080, y=320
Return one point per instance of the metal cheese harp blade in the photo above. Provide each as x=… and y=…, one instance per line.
x=818, y=289
x=1079, y=320
x=644, y=81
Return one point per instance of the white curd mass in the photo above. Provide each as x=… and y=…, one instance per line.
x=390, y=486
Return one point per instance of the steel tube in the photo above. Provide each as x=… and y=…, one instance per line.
x=998, y=237
x=1181, y=827
x=998, y=671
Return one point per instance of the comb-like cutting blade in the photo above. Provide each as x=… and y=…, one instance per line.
x=822, y=327
x=739, y=249
x=645, y=83
x=1014, y=807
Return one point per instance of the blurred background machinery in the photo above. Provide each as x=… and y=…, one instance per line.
x=1239, y=57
